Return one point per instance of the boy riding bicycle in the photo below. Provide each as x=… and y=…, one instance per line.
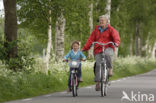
x=77, y=55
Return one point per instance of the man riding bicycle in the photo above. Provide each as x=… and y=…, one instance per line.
x=103, y=33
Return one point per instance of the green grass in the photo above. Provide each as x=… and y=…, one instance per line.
x=23, y=85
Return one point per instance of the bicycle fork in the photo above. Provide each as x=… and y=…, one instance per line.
x=105, y=72
x=75, y=78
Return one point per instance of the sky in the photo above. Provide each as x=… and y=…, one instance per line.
x=1, y=4
x=1, y=7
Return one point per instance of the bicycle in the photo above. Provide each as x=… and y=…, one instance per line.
x=74, y=78
x=104, y=70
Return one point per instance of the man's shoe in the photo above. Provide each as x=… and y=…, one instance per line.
x=97, y=88
x=111, y=72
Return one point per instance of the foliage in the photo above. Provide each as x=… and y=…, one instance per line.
x=124, y=17
x=33, y=23
x=33, y=15
x=22, y=61
x=24, y=57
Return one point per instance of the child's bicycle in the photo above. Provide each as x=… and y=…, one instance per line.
x=104, y=70
x=74, y=77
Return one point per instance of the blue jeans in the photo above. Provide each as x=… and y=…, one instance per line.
x=78, y=75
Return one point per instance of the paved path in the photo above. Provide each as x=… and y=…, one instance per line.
x=139, y=89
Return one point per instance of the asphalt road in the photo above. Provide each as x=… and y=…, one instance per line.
x=139, y=89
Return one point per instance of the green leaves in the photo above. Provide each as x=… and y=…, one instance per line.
x=126, y=14
x=33, y=15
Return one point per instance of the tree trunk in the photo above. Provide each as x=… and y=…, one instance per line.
x=108, y=10
x=49, y=45
x=146, y=47
x=131, y=45
x=10, y=30
x=137, y=41
x=154, y=51
x=59, y=37
x=90, y=52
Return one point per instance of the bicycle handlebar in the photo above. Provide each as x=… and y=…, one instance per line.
x=103, y=44
x=68, y=61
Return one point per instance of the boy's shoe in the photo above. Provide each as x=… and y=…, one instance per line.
x=68, y=90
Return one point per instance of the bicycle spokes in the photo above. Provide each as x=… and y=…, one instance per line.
x=74, y=84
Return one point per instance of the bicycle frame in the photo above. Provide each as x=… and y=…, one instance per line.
x=74, y=83
x=104, y=64
x=74, y=75
x=103, y=57
x=74, y=65
x=105, y=78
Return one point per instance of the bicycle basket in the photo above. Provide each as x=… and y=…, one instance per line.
x=74, y=64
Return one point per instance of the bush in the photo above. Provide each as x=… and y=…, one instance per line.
x=23, y=60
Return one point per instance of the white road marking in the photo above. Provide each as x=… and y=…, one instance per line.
x=124, y=79
x=63, y=92
x=113, y=81
x=88, y=87
x=47, y=95
x=118, y=80
x=28, y=99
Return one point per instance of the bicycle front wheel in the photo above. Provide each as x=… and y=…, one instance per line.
x=102, y=89
x=106, y=83
x=102, y=80
x=74, y=87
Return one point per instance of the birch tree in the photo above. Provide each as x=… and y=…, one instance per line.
x=49, y=44
x=108, y=13
x=154, y=51
x=38, y=16
x=108, y=9
x=59, y=37
x=90, y=52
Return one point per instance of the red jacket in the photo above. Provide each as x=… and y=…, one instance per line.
x=109, y=35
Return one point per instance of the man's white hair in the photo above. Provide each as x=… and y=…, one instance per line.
x=104, y=16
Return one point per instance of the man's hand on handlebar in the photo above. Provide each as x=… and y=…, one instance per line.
x=82, y=50
x=116, y=44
